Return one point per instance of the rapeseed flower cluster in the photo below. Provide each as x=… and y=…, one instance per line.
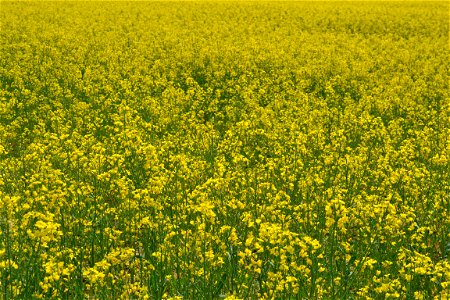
x=260, y=150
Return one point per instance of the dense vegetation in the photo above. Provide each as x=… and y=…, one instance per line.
x=224, y=150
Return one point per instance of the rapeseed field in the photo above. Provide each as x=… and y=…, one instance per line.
x=224, y=150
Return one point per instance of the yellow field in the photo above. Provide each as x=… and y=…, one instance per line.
x=212, y=150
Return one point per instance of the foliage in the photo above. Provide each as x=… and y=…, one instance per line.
x=200, y=150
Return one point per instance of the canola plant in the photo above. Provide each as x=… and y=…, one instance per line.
x=224, y=150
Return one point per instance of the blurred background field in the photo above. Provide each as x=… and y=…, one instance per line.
x=251, y=150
